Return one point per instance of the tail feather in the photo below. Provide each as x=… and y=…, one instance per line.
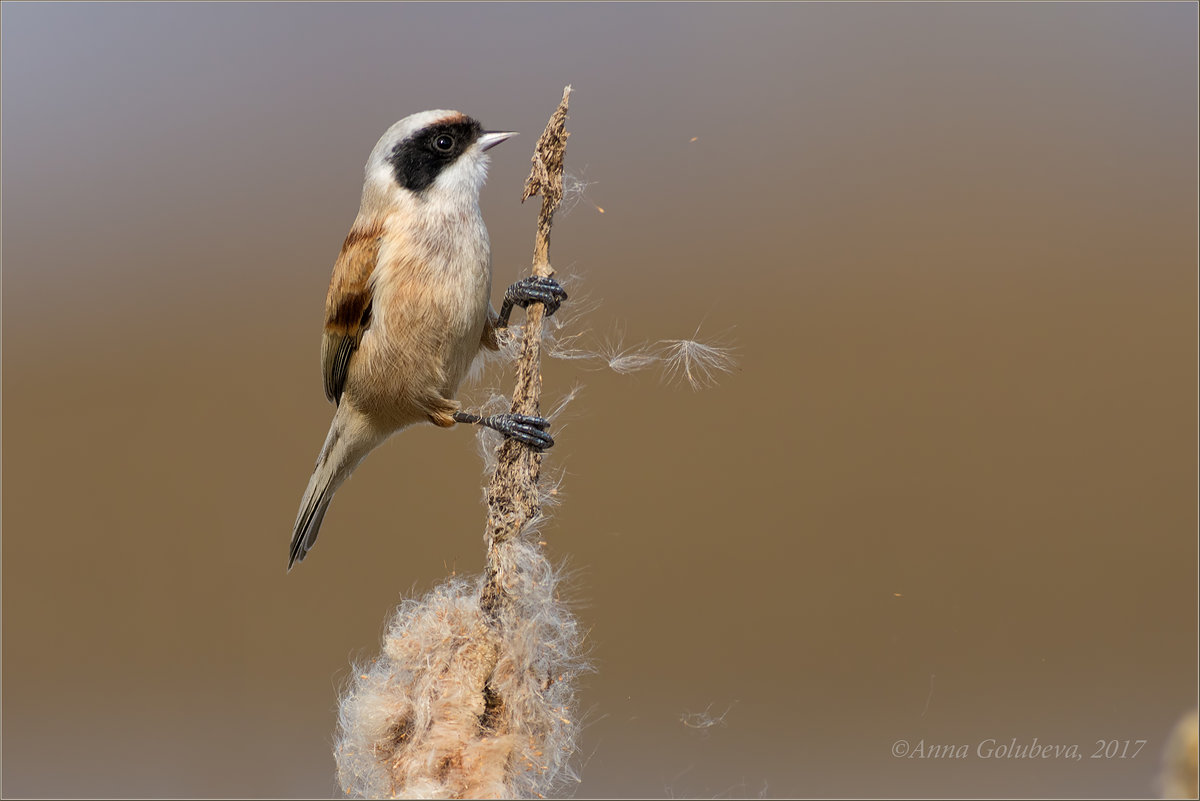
x=349, y=440
x=312, y=512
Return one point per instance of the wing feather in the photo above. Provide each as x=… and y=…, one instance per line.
x=348, y=305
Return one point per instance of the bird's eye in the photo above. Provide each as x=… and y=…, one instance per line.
x=443, y=143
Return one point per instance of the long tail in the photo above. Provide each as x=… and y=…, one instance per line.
x=350, y=439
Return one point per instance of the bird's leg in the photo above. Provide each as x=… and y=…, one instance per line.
x=534, y=289
x=521, y=427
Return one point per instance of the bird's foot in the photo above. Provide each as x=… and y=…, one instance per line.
x=521, y=427
x=534, y=289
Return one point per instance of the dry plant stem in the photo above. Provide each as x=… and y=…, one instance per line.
x=512, y=494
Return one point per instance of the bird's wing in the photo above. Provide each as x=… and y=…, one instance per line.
x=348, y=306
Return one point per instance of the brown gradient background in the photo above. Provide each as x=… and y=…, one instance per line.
x=950, y=492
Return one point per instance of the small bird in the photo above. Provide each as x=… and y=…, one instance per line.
x=408, y=308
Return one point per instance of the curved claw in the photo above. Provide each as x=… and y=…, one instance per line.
x=533, y=289
x=523, y=428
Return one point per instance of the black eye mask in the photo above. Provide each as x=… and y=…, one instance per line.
x=419, y=159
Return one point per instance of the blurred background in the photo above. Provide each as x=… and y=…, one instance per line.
x=948, y=495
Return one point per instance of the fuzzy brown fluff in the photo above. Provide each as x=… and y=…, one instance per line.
x=460, y=706
x=1181, y=761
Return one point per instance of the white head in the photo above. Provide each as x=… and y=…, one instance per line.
x=437, y=156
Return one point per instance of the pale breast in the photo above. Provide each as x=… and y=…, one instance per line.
x=430, y=305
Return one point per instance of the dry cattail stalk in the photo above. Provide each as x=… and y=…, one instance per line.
x=473, y=695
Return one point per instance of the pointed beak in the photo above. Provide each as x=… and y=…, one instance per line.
x=490, y=139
